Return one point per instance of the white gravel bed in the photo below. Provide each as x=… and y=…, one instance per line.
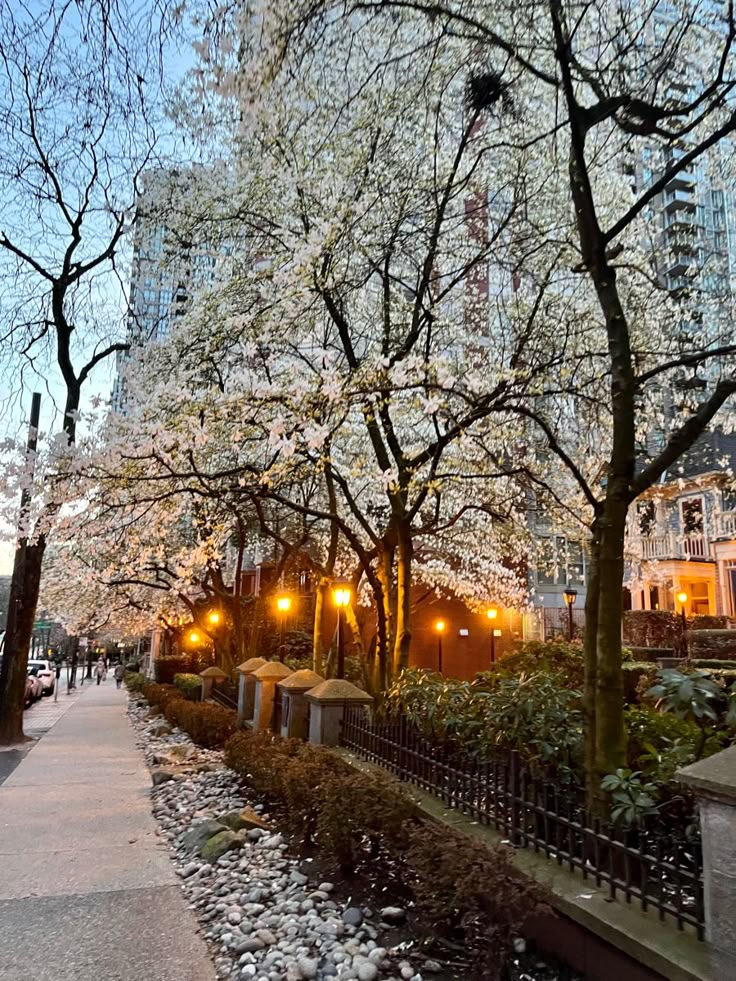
x=262, y=916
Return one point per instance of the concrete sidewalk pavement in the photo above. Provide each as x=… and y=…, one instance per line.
x=87, y=890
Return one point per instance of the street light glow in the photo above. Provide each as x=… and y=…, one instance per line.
x=214, y=618
x=283, y=604
x=194, y=637
x=492, y=613
x=682, y=598
x=341, y=595
x=439, y=626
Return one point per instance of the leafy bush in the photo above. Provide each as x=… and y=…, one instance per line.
x=660, y=743
x=693, y=695
x=134, y=681
x=190, y=685
x=533, y=713
x=638, y=676
x=632, y=799
x=558, y=657
x=208, y=725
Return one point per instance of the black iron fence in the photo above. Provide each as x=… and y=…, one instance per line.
x=225, y=693
x=658, y=868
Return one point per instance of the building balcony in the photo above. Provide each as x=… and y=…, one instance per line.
x=725, y=525
x=683, y=180
x=678, y=263
x=680, y=221
x=670, y=545
x=679, y=200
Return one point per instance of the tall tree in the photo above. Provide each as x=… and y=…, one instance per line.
x=76, y=133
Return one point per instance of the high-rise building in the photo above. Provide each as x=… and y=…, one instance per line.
x=166, y=274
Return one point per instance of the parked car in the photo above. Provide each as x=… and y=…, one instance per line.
x=36, y=687
x=30, y=689
x=45, y=672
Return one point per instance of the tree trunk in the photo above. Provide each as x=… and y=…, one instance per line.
x=18, y=635
x=319, y=607
x=590, y=659
x=610, y=732
x=402, y=643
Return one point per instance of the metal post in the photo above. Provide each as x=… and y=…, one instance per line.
x=340, y=645
x=569, y=621
x=439, y=652
x=493, y=646
x=684, y=631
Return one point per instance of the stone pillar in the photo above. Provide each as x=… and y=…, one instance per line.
x=328, y=703
x=247, y=688
x=294, y=708
x=265, y=694
x=713, y=781
x=209, y=676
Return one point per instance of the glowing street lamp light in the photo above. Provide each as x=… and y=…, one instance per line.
x=570, y=595
x=193, y=637
x=341, y=595
x=283, y=605
x=492, y=614
x=439, y=626
x=213, y=617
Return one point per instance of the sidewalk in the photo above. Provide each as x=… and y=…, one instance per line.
x=87, y=891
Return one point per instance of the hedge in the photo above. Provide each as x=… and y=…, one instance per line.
x=468, y=892
x=209, y=725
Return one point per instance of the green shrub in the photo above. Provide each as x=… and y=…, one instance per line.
x=638, y=676
x=208, y=725
x=533, y=713
x=558, y=657
x=134, y=681
x=190, y=685
x=660, y=743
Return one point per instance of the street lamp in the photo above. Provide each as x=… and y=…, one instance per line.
x=492, y=614
x=213, y=618
x=570, y=596
x=341, y=596
x=193, y=637
x=439, y=626
x=283, y=605
x=682, y=600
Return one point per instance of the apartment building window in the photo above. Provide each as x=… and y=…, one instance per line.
x=560, y=561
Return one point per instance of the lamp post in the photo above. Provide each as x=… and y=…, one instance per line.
x=439, y=626
x=283, y=605
x=492, y=614
x=213, y=618
x=570, y=596
x=682, y=600
x=341, y=596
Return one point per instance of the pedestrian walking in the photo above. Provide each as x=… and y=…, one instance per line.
x=119, y=672
x=100, y=671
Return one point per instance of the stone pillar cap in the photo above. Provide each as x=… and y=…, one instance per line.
x=273, y=669
x=337, y=690
x=213, y=672
x=301, y=680
x=251, y=665
x=714, y=777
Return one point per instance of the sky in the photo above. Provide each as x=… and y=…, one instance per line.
x=102, y=312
